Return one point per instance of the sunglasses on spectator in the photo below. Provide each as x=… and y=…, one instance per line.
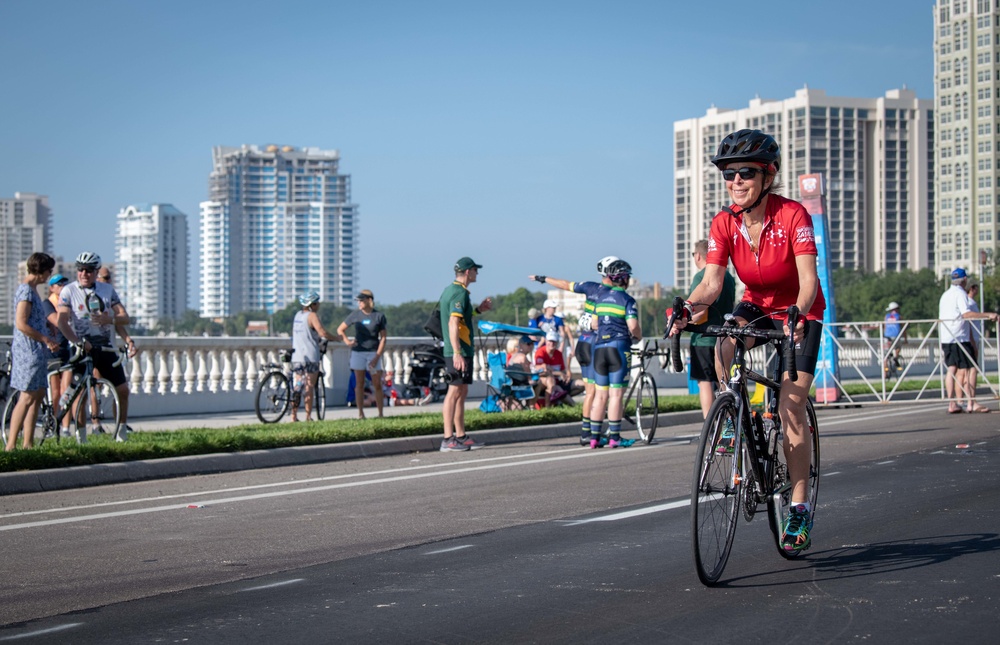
x=746, y=174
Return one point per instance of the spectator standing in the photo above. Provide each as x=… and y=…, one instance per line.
x=104, y=275
x=58, y=383
x=89, y=311
x=702, y=368
x=306, y=332
x=955, y=313
x=367, y=347
x=549, y=321
x=976, y=338
x=456, y=310
x=892, y=331
x=30, y=351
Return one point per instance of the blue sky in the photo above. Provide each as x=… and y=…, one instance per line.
x=534, y=136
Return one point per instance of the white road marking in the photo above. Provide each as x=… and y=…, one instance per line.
x=624, y=515
x=836, y=472
x=448, y=550
x=882, y=463
x=41, y=632
x=273, y=585
x=64, y=509
x=573, y=454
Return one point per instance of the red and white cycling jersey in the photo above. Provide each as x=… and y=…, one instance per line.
x=770, y=275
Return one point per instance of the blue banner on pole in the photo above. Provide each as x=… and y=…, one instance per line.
x=813, y=191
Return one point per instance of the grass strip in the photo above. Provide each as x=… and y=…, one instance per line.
x=102, y=449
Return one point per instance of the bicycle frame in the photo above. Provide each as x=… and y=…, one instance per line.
x=752, y=438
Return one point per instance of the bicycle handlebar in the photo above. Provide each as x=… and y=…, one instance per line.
x=79, y=353
x=732, y=331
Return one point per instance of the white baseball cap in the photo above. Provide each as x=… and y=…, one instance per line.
x=892, y=305
x=549, y=303
x=552, y=335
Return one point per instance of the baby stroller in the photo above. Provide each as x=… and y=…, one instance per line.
x=427, y=373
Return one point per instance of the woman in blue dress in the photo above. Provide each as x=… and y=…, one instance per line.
x=30, y=350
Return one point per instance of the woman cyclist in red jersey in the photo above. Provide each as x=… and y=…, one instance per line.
x=771, y=243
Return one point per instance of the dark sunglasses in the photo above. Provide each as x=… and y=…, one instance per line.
x=746, y=174
x=86, y=270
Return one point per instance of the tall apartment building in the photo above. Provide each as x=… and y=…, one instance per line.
x=279, y=222
x=967, y=96
x=151, y=255
x=25, y=228
x=877, y=156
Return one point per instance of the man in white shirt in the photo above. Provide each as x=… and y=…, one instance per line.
x=956, y=342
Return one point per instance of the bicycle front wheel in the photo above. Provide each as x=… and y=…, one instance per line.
x=319, y=398
x=646, y=408
x=272, y=397
x=715, y=492
x=781, y=500
x=106, y=409
x=8, y=410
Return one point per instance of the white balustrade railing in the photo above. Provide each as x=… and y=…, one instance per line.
x=192, y=374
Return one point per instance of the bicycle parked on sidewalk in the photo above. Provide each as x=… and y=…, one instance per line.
x=5, y=375
x=641, y=401
x=277, y=393
x=85, y=391
x=748, y=470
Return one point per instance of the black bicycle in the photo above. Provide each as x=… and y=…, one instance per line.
x=276, y=391
x=641, y=401
x=97, y=393
x=5, y=375
x=741, y=460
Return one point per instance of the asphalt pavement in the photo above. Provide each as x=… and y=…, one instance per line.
x=141, y=470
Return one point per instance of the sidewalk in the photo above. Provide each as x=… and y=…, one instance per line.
x=233, y=419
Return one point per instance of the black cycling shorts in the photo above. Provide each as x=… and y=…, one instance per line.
x=806, y=351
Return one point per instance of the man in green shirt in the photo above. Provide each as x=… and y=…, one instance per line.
x=459, y=351
x=702, y=367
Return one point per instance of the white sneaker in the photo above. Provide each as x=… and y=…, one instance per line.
x=68, y=431
x=121, y=435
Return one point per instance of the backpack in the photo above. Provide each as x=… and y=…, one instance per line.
x=433, y=324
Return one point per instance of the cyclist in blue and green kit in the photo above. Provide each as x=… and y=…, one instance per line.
x=618, y=328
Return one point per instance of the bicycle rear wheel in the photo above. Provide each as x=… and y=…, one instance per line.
x=319, y=398
x=647, y=410
x=779, y=502
x=105, y=405
x=272, y=397
x=715, y=492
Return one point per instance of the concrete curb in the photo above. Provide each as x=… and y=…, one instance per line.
x=37, y=481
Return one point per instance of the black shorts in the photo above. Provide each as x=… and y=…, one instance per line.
x=806, y=351
x=703, y=364
x=955, y=357
x=454, y=376
x=104, y=363
x=584, y=353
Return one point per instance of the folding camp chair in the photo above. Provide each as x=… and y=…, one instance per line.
x=502, y=392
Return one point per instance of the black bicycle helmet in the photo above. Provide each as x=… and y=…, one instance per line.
x=618, y=272
x=748, y=145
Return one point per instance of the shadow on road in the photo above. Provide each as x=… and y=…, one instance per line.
x=873, y=559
